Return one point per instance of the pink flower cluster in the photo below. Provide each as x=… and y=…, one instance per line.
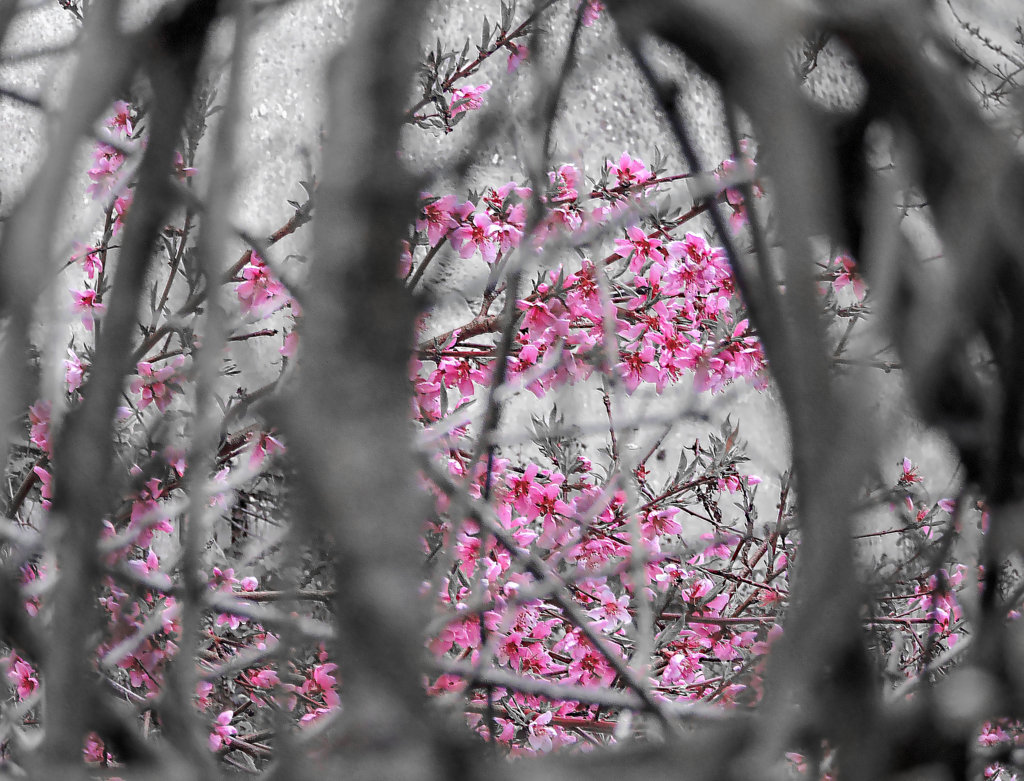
x=157, y=385
x=259, y=292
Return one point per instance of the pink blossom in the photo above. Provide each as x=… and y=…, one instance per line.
x=518, y=54
x=680, y=669
x=46, y=485
x=848, y=276
x=476, y=234
x=23, y=676
x=121, y=122
x=107, y=162
x=265, y=678
x=264, y=447
x=74, y=371
x=121, y=206
x=437, y=217
x=222, y=730
x=203, y=691
x=90, y=258
x=157, y=385
x=259, y=292
x=175, y=458
x=540, y=733
x=638, y=247
x=147, y=516
x=39, y=419
x=611, y=611
x=87, y=302
x=95, y=752
x=910, y=475
x=629, y=171
x=467, y=98
x=591, y=11
x=291, y=344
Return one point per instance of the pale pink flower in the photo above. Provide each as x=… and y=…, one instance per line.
x=107, y=162
x=74, y=371
x=291, y=344
x=610, y=611
x=540, y=733
x=518, y=54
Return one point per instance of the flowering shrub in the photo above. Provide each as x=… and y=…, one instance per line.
x=587, y=585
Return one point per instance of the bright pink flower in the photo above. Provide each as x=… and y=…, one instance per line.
x=910, y=475
x=592, y=12
x=467, y=98
x=87, y=302
x=107, y=162
x=222, y=730
x=265, y=678
x=437, y=217
x=610, y=611
x=265, y=446
x=476, y=234
x=156, y=386
x=661, y=521
x=121, y=206
x=122, y=119
x=23, y=676
x=89, y=257
x=147, y=516
x=259, y=292
x=460, y=373
x=630, y=171
x=640, y=247
x=46, y=485
x=95, y=752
